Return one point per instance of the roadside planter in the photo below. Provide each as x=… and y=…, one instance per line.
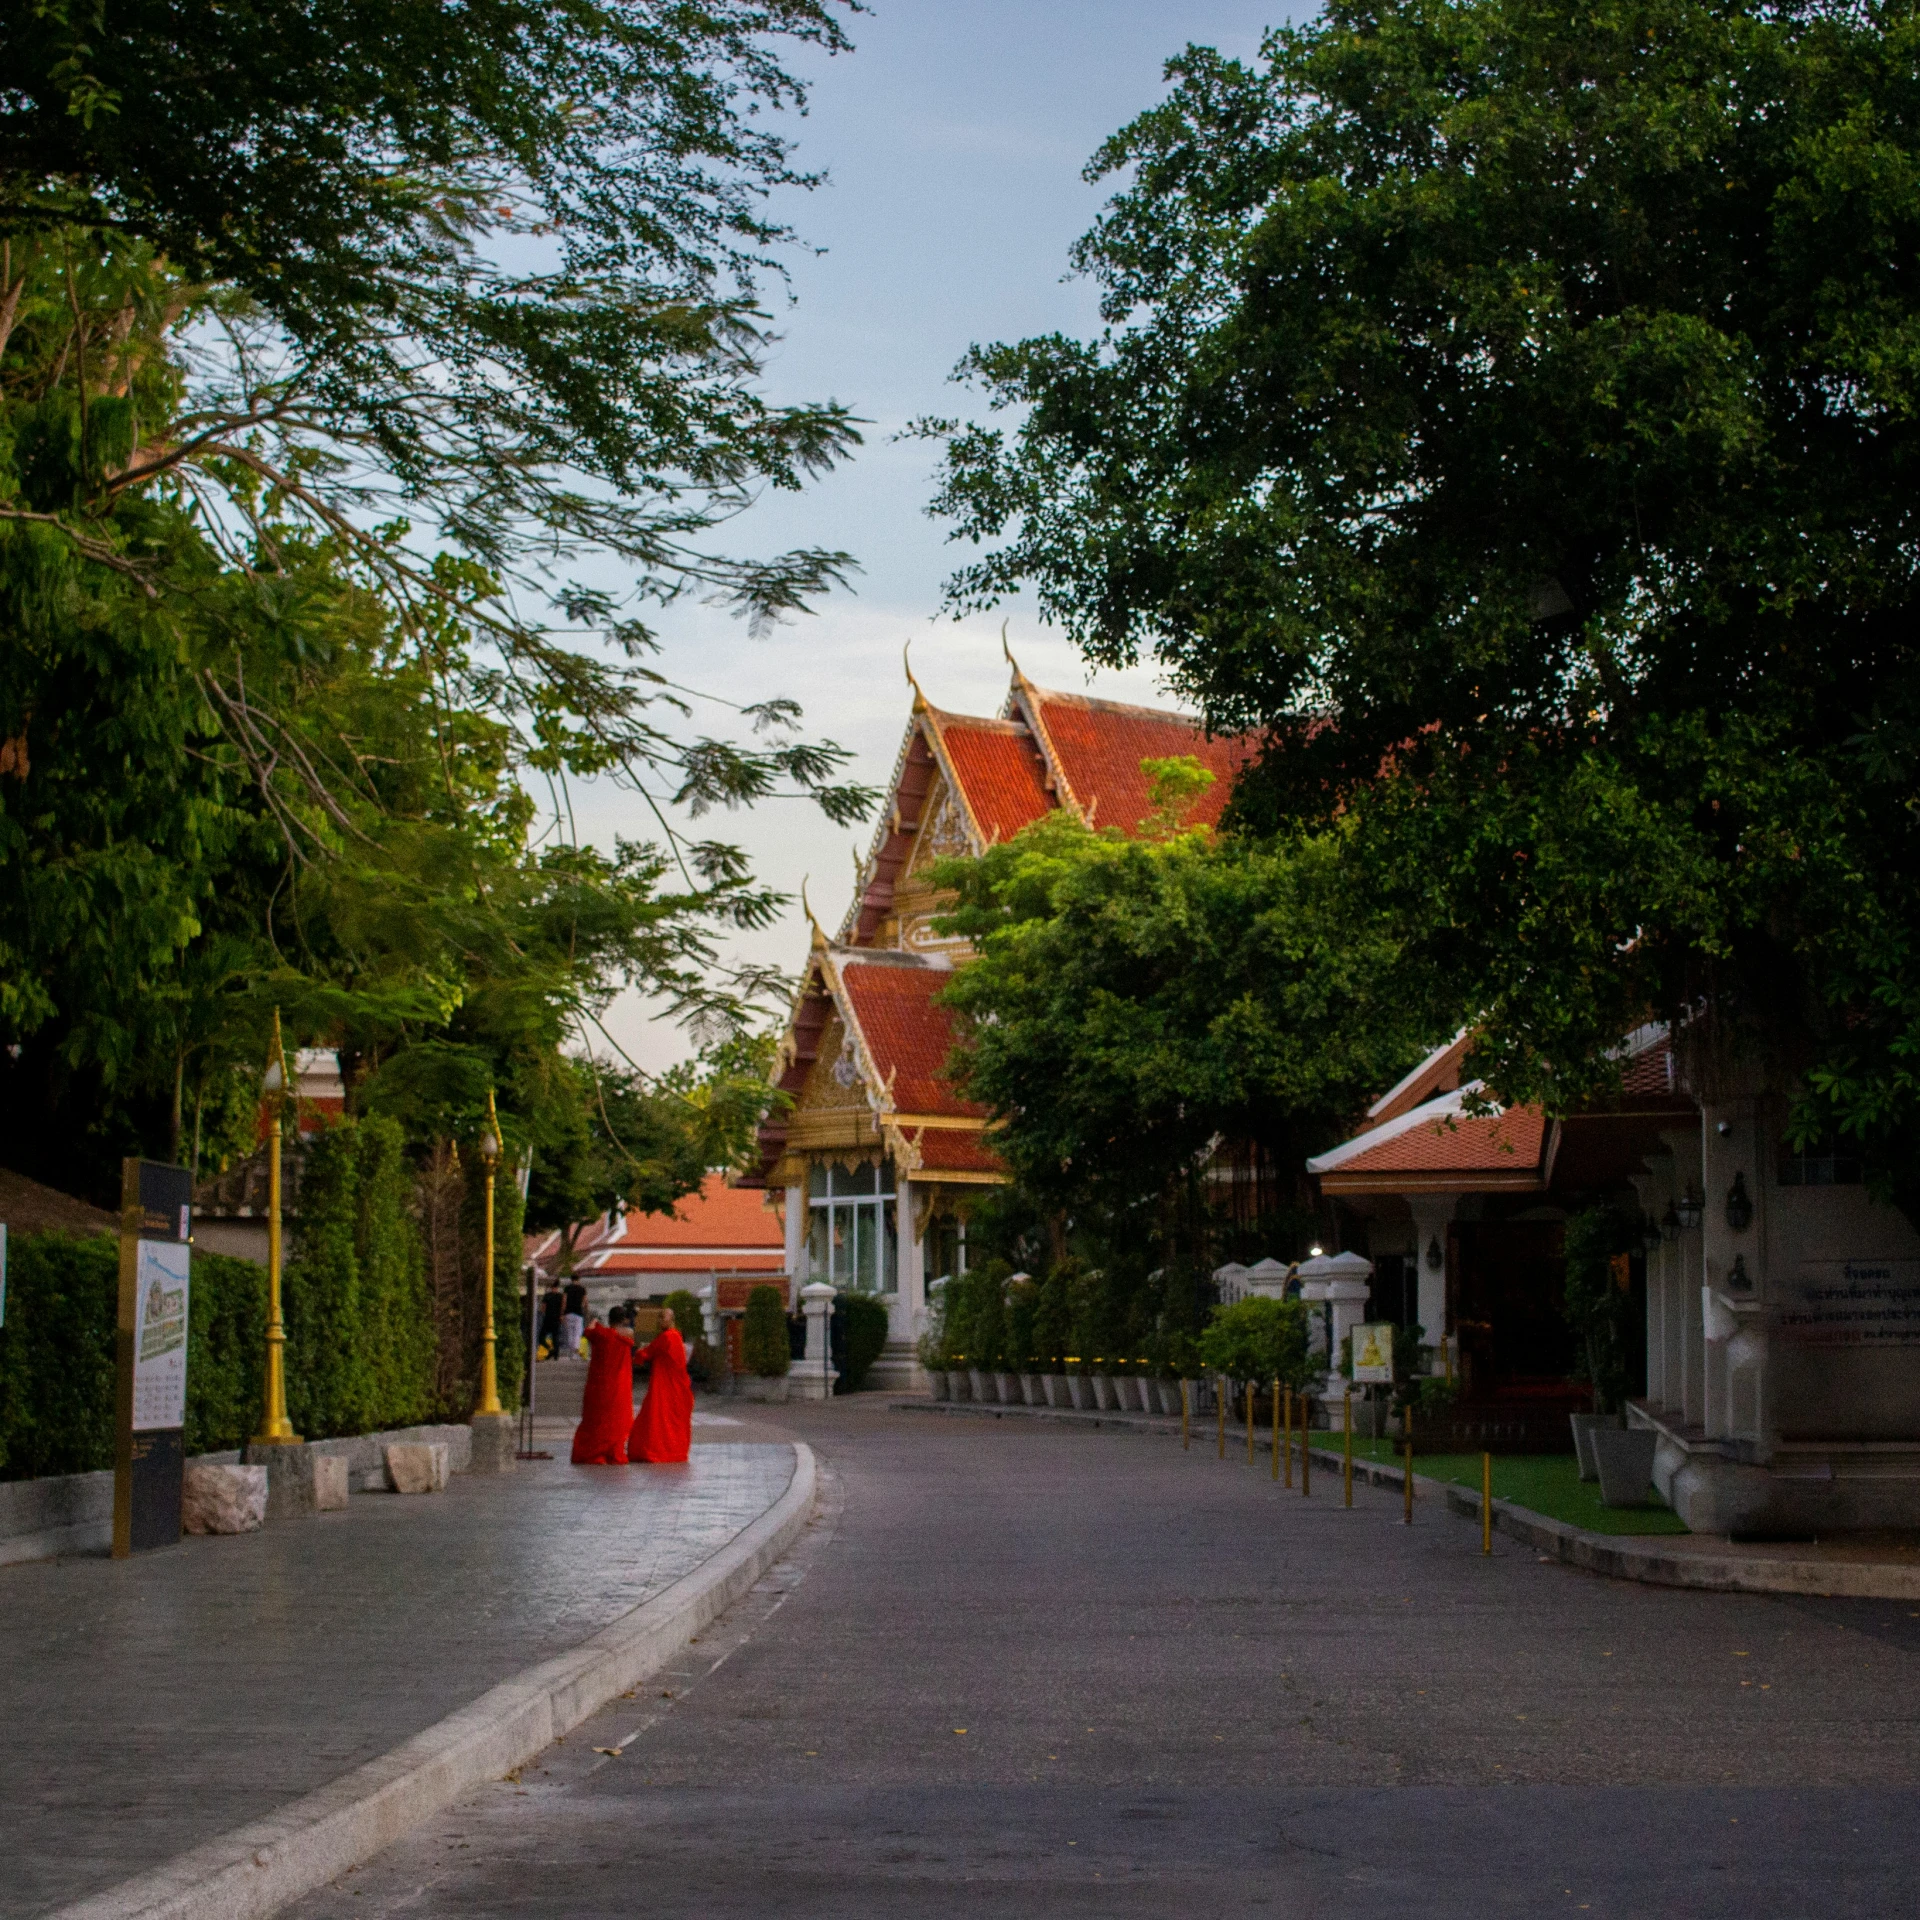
x=1009, y=1388
x=937, y=1384
x=1104, y=1398
x=959, y=1387
x=1169, y=1396
x=1034, y=1388
x=1624, y=1456
x=1059, y=1392
x=755, y=1386
x=1080, y=1388
x=980, y=1383
x=1583, y=1426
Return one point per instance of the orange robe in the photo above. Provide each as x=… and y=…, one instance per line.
x=663, y=1430
x=606, y=1412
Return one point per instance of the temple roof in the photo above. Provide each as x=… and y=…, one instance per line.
x=719, y=1229
x=997, y=772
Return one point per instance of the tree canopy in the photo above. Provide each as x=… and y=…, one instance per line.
x=333, y=339
x=1511, y=404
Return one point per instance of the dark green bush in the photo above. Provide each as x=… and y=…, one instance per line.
x=57, y=1358
x=764, y=1345
x=1259, y=1340
x=867, y=1325
x=703, y=1363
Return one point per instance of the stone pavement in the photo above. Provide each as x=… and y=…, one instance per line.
x=1021, y=1669
x=155, y=1703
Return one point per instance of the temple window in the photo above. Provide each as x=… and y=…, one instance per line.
x=853, y=1235
x=1820, y=1163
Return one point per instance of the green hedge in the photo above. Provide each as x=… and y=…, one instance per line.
x=56, y=1354
x=867, y=1324
x=360, y=1325
x=764, y=1346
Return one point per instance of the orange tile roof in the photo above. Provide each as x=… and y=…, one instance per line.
x=999, y=770
x=1098, y=745
x=620, y=1261
x=908, y=1035
x=956, y=1150
x=717, y=1216
x=1466, y=1144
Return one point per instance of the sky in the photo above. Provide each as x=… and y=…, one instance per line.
x=953, y=138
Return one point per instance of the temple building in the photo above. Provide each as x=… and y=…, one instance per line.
x=1775, y=1306
x=878, y=1156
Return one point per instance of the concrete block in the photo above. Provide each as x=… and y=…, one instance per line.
x=289, y=1472
x=330, y=1478
x=494, y=1444
x=417, y=1467
x=223, y=1499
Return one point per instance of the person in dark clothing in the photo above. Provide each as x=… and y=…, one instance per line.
x=573, y=1317
x=551, y=1308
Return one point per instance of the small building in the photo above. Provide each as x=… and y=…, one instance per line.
x=721, y=1234
x=878, y=1157
x=1776, y=1306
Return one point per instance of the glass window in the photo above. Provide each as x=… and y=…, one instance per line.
x=1821, y=1163
x=852, y=1230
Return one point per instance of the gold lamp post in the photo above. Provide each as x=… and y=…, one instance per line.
x=275, y=1428
x=489, y=1374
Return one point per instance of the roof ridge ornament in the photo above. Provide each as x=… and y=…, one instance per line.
x=920, y=701
x=820, y=940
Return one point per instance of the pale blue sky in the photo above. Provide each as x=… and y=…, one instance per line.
x=954, y=137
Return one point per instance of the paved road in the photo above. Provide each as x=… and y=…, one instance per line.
x=147, y=1705
x=1016, y=1670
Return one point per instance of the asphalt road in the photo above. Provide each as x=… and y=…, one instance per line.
x=1025, y=1671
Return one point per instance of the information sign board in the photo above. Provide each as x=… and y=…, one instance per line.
x=1853, y=1303
x=1373, y=1353
x=150, y=1402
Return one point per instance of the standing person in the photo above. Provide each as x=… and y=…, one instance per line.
x=663, y=1430
x=606, y=1409
x=573, y=1317
x=552, y=1305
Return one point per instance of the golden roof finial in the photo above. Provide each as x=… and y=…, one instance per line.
x=806, y=907
x=1020, y=679
x=920, y=700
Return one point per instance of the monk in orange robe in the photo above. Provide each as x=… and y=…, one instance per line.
x=606, y=1412
x=663, y=1430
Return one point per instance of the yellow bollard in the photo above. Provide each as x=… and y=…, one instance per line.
x=1186, y=1436
x=1249, y=1423
x=1409, y=1483
x=1346, y=1435
x=1306, y=1445
x=1289, y=1436
x=1220, y=1408
x=1486, y=1503
x=1276, y=1429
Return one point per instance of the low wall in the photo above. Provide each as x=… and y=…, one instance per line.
x=73, y=1512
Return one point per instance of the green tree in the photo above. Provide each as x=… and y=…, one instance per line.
x=1510, y=404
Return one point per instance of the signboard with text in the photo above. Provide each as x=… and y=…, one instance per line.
x=1853, y=1303
x=150, y=1402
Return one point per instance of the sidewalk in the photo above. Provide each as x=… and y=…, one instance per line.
x=155, y=1704
x=1879, y=1567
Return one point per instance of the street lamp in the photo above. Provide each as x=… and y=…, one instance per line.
x=276, y=1430
x=489, y=1375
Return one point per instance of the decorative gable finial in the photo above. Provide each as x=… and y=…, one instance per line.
x=806, y=907
x=920, y=701
x=1006, y=652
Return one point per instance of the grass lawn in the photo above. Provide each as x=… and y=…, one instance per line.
x=1547, y=1483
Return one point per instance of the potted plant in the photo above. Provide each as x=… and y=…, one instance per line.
x=1052, y=1332
x=765, y=1347
x=1596, y=1307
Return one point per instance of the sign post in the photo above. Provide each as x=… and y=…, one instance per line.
x=156, y=1229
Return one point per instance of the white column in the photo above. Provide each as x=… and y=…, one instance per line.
x=1432, y=1214
x=795, y=1221
x=813, y=1377
x=910, y=1309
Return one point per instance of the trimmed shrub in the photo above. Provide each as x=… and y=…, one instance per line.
x=703, y=1362
x=1259, y=1340
x=763, y=1338
x=867, y=1325
x=57, y=1354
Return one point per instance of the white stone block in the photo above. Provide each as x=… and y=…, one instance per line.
x=223, y=1499
x=329, y=1481
x=417, y=1467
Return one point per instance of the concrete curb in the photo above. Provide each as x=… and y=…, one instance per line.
x=1608, y=1554
x=260, y=1868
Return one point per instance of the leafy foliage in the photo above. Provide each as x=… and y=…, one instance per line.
x=866, y=1322
x=1511, y=405
x=1597, y=1307
x=1259, y=1340
x=764, y=1345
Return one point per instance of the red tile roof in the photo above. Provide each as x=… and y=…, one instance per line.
x=999, y=771
x=1097, y=747
x=907, y=1034
x=1507, y=1142
x=720, y=1226
x=955, y=1150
